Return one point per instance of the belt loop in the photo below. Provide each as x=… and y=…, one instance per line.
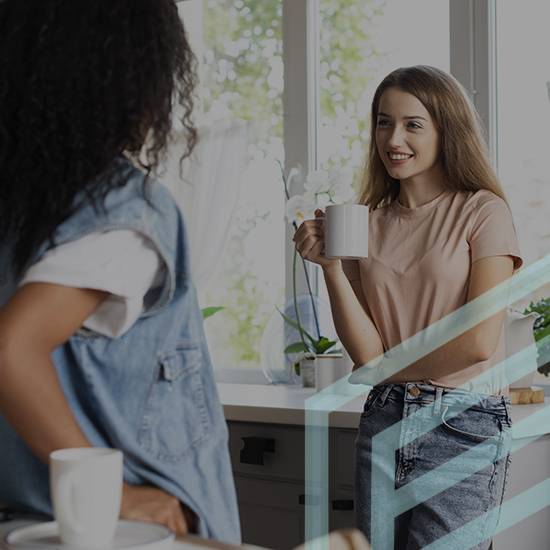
x=508, y=407
x=384, y=396
x=438, y=401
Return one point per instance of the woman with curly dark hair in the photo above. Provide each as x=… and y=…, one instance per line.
x=101, y=340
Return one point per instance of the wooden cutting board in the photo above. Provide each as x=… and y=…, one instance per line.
x=525, y=396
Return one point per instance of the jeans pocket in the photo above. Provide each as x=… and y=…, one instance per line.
x=474, y=425
x=369, y=407
x=175, y=420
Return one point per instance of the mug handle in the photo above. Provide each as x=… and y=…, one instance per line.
x=66, y=485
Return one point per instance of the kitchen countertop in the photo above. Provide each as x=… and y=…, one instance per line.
x=287, y=404
x=281, y=405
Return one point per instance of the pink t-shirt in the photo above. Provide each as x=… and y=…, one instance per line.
x=418, y=269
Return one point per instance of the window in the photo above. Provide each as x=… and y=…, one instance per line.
x=359, y=44
x=304, y=71
x=242, y=77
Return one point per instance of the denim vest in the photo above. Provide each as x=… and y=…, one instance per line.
x=151, y=392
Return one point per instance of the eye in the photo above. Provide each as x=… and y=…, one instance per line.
x=415, y=125
x=383, y=122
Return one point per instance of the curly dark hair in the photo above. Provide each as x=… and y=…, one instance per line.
x=81, y=83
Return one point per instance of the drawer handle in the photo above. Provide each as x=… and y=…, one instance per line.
x=342, y=504
x=254, y=449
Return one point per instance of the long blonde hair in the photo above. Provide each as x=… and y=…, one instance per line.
x=464, y=148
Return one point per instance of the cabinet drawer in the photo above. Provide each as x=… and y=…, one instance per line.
x=344, y=469
x=271, y=513
x=284, y=460
x=342, y=510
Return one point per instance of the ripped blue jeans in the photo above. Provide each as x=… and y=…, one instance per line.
x=437, y=471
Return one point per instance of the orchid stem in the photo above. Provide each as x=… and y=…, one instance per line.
x=312, y=301
x=305, y=273
x=296, y=299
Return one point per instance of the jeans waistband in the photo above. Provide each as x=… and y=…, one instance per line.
x=425, y=393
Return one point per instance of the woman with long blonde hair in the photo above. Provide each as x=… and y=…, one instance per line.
x=441, y=235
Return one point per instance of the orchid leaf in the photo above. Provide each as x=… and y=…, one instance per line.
x=542, y=333
x=295, y=325
x=324, y=345
x=296, y=348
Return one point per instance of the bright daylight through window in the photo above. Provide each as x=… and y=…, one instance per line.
x=356, y=44
x=242, y=77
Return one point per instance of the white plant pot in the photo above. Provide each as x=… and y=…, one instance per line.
x=307, y=372
x=328, y=370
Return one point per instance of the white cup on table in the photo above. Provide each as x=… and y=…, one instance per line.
x=86, y=490
x=346, y=231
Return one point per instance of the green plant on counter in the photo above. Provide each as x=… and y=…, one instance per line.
x=541, y=331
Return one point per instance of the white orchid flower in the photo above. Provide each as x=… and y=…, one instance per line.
x=344, y=192
x=322, y=188
x=341, y=176
x=341, y=184
x=318, y=181
x=299, y=208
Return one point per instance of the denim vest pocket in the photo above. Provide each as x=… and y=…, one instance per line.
x=175, y=419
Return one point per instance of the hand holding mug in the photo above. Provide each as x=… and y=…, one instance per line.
x=310, y=239
x=340, y=233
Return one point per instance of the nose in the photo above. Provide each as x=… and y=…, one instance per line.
x=396, y=138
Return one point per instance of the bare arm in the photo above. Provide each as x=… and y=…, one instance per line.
x=36, y=320
x=349, y=310
x=474, y=345
x=354, y=326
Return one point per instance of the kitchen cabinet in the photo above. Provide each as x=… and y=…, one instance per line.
x=266, y=426
x=270, y=484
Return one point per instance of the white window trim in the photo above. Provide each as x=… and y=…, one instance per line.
x=473, y=58
x=301, y=110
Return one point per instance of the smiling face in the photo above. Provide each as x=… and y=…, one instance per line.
x=407, y=139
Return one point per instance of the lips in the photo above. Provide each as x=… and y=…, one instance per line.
x=399, y=158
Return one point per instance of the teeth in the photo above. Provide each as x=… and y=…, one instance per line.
x=394, y=156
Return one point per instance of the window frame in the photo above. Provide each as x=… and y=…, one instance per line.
x=472, y=62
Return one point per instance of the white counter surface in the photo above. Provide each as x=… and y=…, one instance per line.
x=286, y=405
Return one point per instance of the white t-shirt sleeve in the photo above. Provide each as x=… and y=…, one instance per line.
x=122, y=262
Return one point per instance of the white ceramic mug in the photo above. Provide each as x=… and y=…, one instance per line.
x=346, y=231
x=86, y=489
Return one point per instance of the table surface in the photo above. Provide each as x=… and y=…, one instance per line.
x=191, y=542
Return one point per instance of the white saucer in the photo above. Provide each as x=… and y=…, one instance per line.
x=129, y=535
